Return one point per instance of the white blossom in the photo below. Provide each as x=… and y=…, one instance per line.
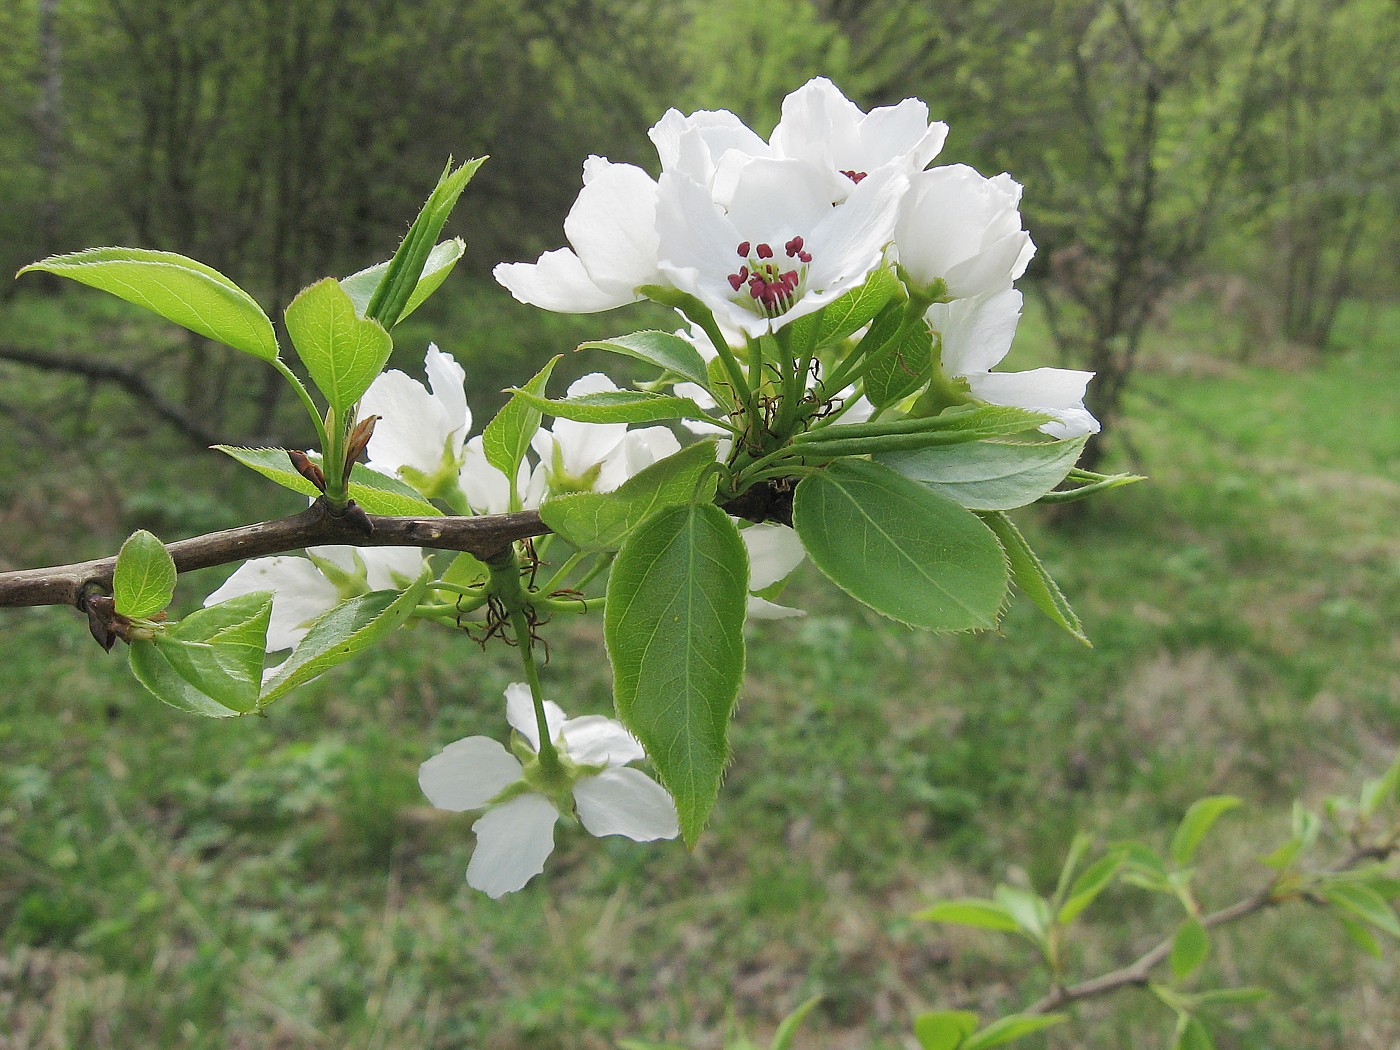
x=774, y=552
x=418, y=429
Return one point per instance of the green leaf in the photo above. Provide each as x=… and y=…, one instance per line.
x=674, y=627
x=950, y=427
x=1090, y=484
x=181, y=290
x=600, y=521
x=342, y=351
x=1194, y=826
x=971, y=911
x=211, y=662
x=618, y=406
x=376, y=493
x=898, y=369
x=848, y=313
x=663, y=349
x=1365, y=903
x=1360, y=935
x=1191, y=1034
x=1190, y=946
x=1030, y=910
x=360, y=286
x=507, y=437
x=944, y=1029
x=909, y=553
x=1009, y=1029
x=341, y=633
x=1077, y=848
x=390, y=301
x=988, y=475
x=1231, y=996
x=144, y=579
x=1032, y=578
x=782, y=1038
x=1092, y=881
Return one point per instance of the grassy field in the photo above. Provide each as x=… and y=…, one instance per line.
x=170, y=882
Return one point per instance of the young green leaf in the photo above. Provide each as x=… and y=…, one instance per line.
x=1199, y=819
x=1092, y=881
x=389, y=302
x=1191, y=1034
x=189, y=293
x=341, y=633
x=144, y=579
x=971, y=911
x=1009, y=1029
x=1360, y=935
x=1190, y=946
x=988, y=475
x=663, y=349
x=1030, y=910
x=1032, y=578
x=360, y=286
x=787, y=1030
x=342, y=351
x=944, y=1029
x=908, y=553
x=211, y=662
x=507, y=437
x=375, y=493
x=618, y=406
x=674, y=627
x=600, y=521
x=1077, y=848
x=1364, y=903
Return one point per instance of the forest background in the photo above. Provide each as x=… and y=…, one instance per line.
x=1213, y=186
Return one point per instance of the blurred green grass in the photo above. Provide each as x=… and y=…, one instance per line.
x=280, y=882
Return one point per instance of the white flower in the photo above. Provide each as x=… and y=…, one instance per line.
x=597, y=457
x=304, y=588
x=612, y=227
x=775, y=249
x=963, y=229
x=421, y=431
x=487, y=489
x=516, y=834
x=698, y=144
x=774, y=551
x=821, y=125
x=976, y=334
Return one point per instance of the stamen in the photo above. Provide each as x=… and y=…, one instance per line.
x=855, y=176
x=743, y=249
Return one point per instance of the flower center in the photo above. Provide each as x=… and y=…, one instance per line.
x=855, y=176
x=771, y=283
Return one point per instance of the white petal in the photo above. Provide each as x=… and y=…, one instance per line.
x=627, y=802
x=593, y=740
x=512, y=844
x=299, y=594
x=391, y=568
x=557, y=281
x=486, y=488
x=520, y=713
x=468, y=773
x=774, y=551
x=1057, y=392
x=763, y=609
x=639, y=449
x=448, y=381
x=612, y=227
x=977, y=332
x=583, y=446
x=412, y=429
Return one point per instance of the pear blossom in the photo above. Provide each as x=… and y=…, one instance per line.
x=486, y=488
x=976, y=334
x=774, y=552
x=304, y=588
x=819, y=124
x=963, y=230
x=420, y=434
x=597, y=457
x=516, y=833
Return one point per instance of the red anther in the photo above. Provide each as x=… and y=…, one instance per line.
x=743, y=249
x=805, y=256
x=765, y=252
x=790, y=279
x=736, y=279
x=793, y=246
x=855, y=176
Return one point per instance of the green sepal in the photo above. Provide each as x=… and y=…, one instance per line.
x=907, y=552
x=674, y=627
x=440, y=262
x=601, y=521
x=186, y=292
x=342, y=632
x=375, y=493
x=143, y=581
x=211, y=662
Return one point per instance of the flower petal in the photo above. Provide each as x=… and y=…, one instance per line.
x=774, y=551
x=625, y=801
x=448, y=381
x=468, y=773
x=612, y=226
x=412, y=429
x=977, y=332
x=763, y=609
x=557, y=281
x=299, y=594
x=593, y=740
x=520, y=713
x=512, y=843
x=391, y=568
x=1058, y=392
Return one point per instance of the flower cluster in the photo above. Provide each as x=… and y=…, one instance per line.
x=766, y=232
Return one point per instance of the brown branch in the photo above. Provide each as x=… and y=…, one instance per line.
x=481, y=536
x=129, y=379
x=1138, y=973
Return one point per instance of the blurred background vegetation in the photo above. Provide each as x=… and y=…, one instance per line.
x=1213, y=188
